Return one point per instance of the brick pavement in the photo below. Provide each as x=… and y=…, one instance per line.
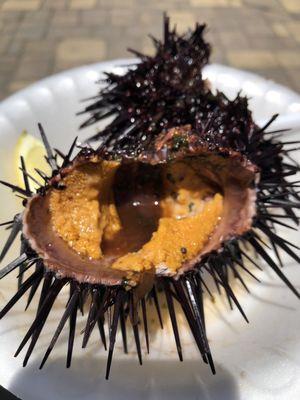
x=41, y=37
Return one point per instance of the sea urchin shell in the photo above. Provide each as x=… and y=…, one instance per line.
x=107, y=221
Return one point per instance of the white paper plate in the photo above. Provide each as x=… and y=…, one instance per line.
x=259, y=361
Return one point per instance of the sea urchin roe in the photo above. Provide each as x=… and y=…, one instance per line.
x=140, y=218
x=184, y=191
x=176, y=240
x=84, y=213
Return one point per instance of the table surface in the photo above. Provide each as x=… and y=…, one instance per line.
x=41, y=37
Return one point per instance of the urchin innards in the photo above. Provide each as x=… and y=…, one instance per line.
x=162, y=109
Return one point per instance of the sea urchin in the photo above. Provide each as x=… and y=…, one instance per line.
x=181, y=180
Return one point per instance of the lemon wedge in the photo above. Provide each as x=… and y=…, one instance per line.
x=33, y=152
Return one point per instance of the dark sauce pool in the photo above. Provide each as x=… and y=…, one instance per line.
x=137, y=190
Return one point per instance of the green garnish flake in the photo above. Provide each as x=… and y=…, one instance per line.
x=179, y=142
x=191, y=206
x=183, y=250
